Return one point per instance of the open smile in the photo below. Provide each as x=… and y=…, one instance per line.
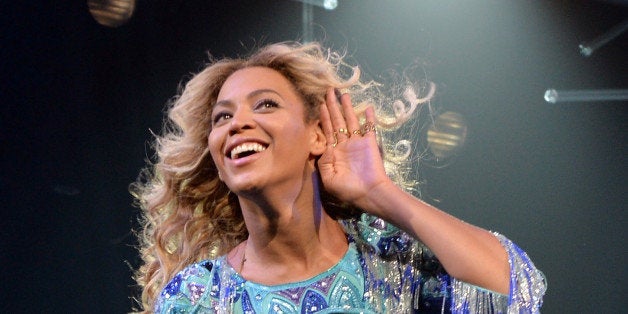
x=245, y=149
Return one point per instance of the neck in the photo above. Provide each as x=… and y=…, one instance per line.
x=289, y=222
x=291, y=237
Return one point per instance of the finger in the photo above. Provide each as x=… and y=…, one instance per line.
x=337, y=120
x=351, y=119
x=328, y=129
x=368, y=128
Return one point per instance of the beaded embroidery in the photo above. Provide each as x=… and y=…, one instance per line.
x=383, y=271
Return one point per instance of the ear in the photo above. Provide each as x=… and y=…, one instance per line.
x=318, y=142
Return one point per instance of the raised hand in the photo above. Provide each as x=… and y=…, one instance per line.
x=352, y=165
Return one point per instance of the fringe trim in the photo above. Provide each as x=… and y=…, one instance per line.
x=392, y=272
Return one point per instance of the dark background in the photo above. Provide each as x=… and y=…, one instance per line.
x=78, y=101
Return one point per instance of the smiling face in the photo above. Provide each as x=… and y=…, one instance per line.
x=259, y=135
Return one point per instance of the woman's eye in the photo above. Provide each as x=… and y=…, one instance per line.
x=220, y=117
x=266, y=104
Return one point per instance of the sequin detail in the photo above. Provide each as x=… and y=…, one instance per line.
x=313, y=302
x=383, y=271
x=173, y=287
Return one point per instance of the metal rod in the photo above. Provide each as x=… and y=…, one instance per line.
x=307, y=18
x=325, y=4
x=554, y=96
x=587, y=49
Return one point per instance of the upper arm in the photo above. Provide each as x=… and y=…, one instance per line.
x=188, y=291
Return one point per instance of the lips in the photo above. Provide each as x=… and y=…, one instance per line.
x=245, y=149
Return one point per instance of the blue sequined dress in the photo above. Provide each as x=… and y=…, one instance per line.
x=383, y=271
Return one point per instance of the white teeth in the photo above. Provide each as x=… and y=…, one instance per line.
x=246, y=147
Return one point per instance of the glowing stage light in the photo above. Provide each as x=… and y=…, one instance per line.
x=111, y=13
x=327, y=4
x=554, y=96
x=447, y=134
x=587, y=49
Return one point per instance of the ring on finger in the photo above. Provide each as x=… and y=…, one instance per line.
x=335, y=140
x=368, y=127
x=357, y=132
x=344, y=131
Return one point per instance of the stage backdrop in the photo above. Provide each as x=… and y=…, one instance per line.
x=80, y=100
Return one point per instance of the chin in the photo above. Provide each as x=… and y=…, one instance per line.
x=243, y=188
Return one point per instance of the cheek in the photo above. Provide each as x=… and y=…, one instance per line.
x=215, y=146
x=300, y=138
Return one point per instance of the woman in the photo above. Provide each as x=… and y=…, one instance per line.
x=270, y=195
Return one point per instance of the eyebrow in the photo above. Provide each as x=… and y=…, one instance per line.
x=252, y=94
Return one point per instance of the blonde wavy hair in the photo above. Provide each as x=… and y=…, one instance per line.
x=188, y=214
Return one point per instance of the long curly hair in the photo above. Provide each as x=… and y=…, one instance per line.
x=188, y=214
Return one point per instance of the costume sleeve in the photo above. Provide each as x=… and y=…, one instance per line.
x=187, y=291
x=399, y=268
x=527, y=287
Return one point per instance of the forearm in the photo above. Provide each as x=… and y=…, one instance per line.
x=467, y=252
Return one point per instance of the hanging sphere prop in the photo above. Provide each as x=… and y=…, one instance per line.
x=447, y=134
x=111, y=13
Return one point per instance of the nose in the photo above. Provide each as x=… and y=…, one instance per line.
x=242, y=119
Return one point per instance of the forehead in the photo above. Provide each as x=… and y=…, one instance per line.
x=247, y=80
